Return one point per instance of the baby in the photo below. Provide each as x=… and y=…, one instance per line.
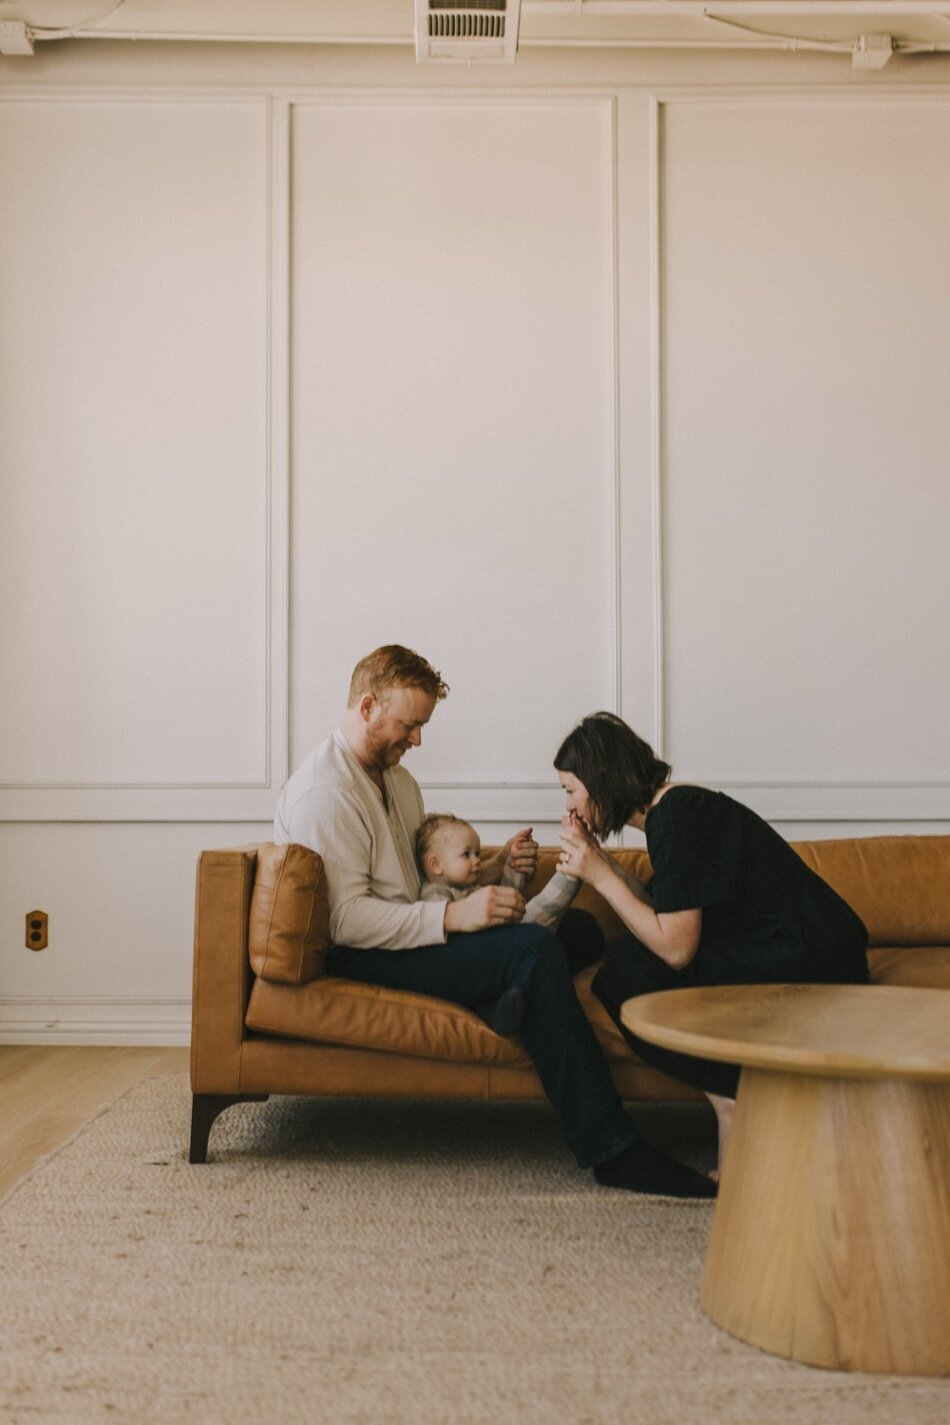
x=450, y=858
x=449, y=854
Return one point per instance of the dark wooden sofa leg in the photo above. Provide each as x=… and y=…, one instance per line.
x=205, y=1108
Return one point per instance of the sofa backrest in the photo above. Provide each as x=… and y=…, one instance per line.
x=898, y=885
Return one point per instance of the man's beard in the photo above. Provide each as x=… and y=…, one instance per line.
x=380, y=753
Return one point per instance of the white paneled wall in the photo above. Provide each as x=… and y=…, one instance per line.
x=807, y=449
x=120, y=901
x=625, y=395
x=133, y=418
x=453, y=434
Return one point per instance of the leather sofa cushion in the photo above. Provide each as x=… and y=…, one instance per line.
x=331, y=1010
x=920, y=966
x=338, y=1011
x=289, y=924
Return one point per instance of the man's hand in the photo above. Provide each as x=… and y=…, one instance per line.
x=521, y=852
x=483, y=909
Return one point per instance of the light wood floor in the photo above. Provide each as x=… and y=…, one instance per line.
x=47, y=1093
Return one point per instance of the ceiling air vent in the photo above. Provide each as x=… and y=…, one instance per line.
x=479, y=30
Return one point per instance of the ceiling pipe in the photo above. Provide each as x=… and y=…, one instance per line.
x=751, y=38
x=697, y=8
x=764, y=42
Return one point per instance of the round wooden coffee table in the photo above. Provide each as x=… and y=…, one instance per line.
x=831, y=1238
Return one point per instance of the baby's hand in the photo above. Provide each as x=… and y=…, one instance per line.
x=522, y=853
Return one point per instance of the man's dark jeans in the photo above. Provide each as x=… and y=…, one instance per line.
x=476, y=969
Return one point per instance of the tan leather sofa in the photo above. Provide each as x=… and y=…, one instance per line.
x=266, y=1020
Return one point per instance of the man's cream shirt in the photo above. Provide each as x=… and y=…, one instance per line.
x=367, y=846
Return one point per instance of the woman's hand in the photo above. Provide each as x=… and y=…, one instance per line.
x=581, y=856
x=672, y=935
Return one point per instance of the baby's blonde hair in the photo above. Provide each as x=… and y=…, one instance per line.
x=429, y=829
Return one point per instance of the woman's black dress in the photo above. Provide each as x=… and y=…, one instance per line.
x=767, y=918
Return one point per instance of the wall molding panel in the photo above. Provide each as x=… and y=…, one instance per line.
x=258, y=190
x=517, y=803
x=778, y=797
x=520, y=803
x=463, y=417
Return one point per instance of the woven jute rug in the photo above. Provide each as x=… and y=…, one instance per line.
x=374, y=1262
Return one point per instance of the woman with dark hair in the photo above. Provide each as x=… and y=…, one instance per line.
x=730, y=902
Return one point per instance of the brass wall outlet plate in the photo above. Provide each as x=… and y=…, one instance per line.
x=37, y=930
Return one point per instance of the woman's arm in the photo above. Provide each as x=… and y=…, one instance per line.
x=672, y=935
x=634, y=882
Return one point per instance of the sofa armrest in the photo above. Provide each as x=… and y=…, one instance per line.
x=222, y=972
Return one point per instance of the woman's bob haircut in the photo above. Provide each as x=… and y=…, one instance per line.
x=621, y=772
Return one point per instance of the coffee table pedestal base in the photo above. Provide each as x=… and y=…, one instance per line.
x=831, y=1238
